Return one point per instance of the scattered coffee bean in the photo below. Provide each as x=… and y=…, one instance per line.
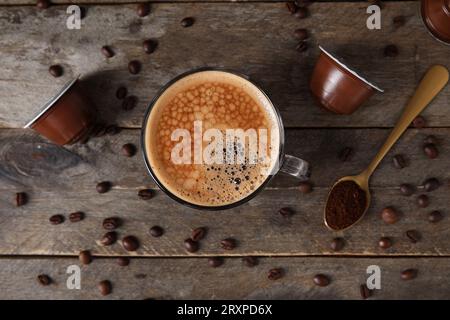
x=250, y=261
x=191, y=245
x=391, y=51
x=431, y=184
x=109, y=238
x=149, y=46
x=56, y=219
x=305, y=187
x=107, y=51
x=198, y=233
x=409, y=274
x=76, y=216
x=21, y=199
x=337, y=244
x=228, y=244
x=215, y=262
x=301, y=13
x=389, y=215
x=85, y=257
x=121, y=93
x=365, y=291
x=143, y=9
x=103, y=186
x=406, y=189
x=430, y=139
x=187, y=22
x=111, y=223
x=399, y=161
x=301, y=34
x=112, y=130
x=130, y=243
x=385, y=243
x=435, y=216
x=128, y=150
x=105, y=287
x=321, y=280
x=43, y=4
x=275, y=274
x=156, y=231
x=419, y=122
x=134, y=67
x=123, y=261
x=399, y=21
x=431, y=151
x=129, y=103
x=423, y=201
x=286, y=212
x=145, y=194
x=292, y=8
x=302, y=46
x=44, y=279
x=346, y=154
x=413, y=236
x=56, y=70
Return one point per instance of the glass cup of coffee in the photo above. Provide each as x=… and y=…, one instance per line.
x=212, y=139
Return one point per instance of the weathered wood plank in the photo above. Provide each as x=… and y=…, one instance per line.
x=254, y=38
x=194, y=279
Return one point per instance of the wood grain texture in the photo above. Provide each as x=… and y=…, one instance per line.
x=194, y=279
x=253, y=38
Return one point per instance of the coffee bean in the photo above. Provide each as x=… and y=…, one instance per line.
x=107, y=51
x=134, y=67
x=123, y=261
x=398, y=21
x=56, y=70
x=85, y=257
x=129, y=103
x=286, y=212
x=215, y=262
x=56, y=219
x=431, y=151
x=305, y=187
x=228, y=244
x=198, y=233
x=76, y=216
x=145, y=194
x=423, y=201
x=292, y=8
x=321, y=280
x=112, y=129
x=103, y=186
x=385, y=242
x=301, y=34
x=391, y=51
x=43, y=4
x=111, y=223
x=337, y=244
x=156, y=231
x=409, y=274
x=365, y=291
x=187, y=22
x=302, y=46
x=275, y=274
x=419, y=122
x=44, y=279
x=431, y=184
x=413, y=235
x=399, y=161
x=406, y=189
x=250, y=261
x=105, y=287
x=128, y=150
x=435, y=216
x=389, y=215
x=130, y=243
x=301, y=13
x=430, y=139
x=143, y=9
x=345, y=154
x=191, y=245
x=109, y=238
x=21, y=199
x=149, y=46
x=121, y=93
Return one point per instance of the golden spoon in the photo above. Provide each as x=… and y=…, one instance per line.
x=432, y=83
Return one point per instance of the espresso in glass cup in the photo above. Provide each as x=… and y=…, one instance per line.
x=212, y=139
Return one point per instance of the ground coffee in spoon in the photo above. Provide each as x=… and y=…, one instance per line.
x=346, y=204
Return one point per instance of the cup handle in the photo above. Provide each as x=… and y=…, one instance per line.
x=296, y=167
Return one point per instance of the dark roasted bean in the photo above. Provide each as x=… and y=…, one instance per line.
x=107, y=51
x=129, y=103
x=145, y=194
x=413, y=235
x=105, y=287
x=85, y=257
x=431, y=184
x=156, y=231
x=419, y=122
x=191, y=245
x=128, y=150
x=149, y=46
x=187, y=22
x=399, y=161
x=21, y=199
x=215, y=262
x=275, y=274
x=121, y=93
x=365, y=291
x=44, y=279
x=292, y=8
x=286, y=212
x=406, y=189
x=409, y=274
x=431, y=151
x=228, y=244
x=389, y=215
x=398, y=21
x=302, y=46
x=337, y=244
x=130, y=243
x=134, y=67
x=56, y=219
x=423, y=201
x=321, y=280
x=198, y=233
x=435, y=216
x=143, y=9
x=103, y=187
x=250, y=261
x=301, y=34
x=43, y=4
x=385, y=243
x=305, y=187
x=111, y=223
x=123, y=261
x=76, y=216
x=109, y=238
x=301, y=13
x=56, y=70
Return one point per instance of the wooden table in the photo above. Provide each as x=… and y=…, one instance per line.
x=255, y=38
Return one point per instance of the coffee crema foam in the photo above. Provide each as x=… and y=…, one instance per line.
x=220, y=100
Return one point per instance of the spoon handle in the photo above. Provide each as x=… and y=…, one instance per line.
x=432, y=83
